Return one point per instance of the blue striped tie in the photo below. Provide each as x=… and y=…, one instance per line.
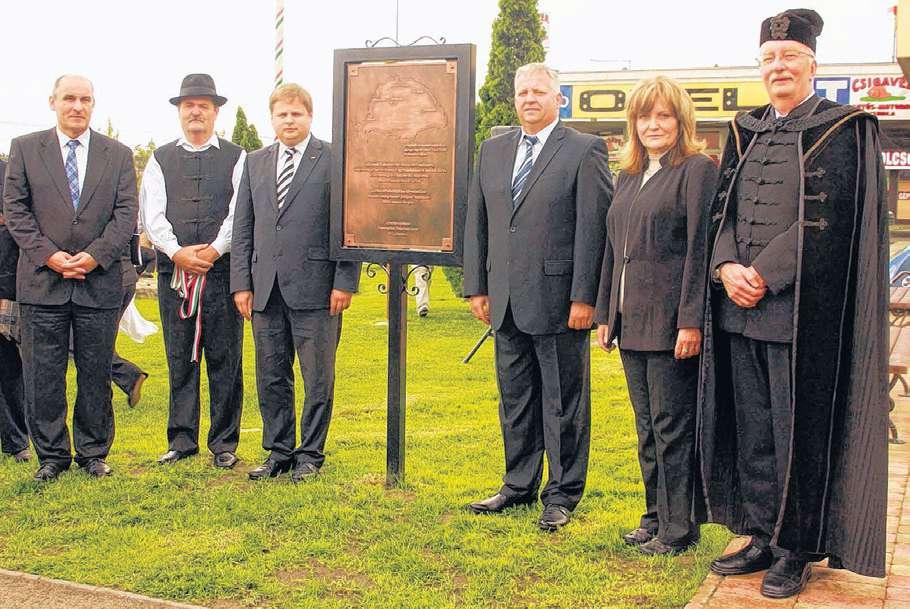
x=72, y=172
x=522, y=176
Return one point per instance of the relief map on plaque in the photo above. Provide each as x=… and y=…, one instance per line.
x=399, y=183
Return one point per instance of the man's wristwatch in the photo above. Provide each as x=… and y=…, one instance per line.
x=715, y=274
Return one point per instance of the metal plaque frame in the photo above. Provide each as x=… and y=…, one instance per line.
x=464, y=56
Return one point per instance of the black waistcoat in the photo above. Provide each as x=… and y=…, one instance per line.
x=766, y=205
x=199, y=189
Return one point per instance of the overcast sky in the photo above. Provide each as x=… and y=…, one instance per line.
x=137, y=53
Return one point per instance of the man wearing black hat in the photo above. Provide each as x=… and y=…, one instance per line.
x=189, y=189
x=793, y=388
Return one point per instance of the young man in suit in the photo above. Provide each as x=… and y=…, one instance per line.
x=282, y=280
x=534, y=242
x=70, y=204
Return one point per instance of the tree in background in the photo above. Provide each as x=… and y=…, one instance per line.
x=517, y=39
x=141, y=156
x=245, y=134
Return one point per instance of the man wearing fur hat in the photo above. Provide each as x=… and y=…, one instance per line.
x=188, y=194
x=794, y=379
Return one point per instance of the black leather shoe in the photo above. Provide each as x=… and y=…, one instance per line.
x=554, y=517
x=786, y=577
x=136, y=391
x=22, y=456
x=638, y=536
x=270, y=469
x=48, y=472
x=225, y=460
x=304, y=471
x=656, y=547
x=499, y=503
x=172, y=456
x=97, y=468
x=747, y=560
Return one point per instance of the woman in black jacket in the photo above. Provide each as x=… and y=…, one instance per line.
x=651, y=300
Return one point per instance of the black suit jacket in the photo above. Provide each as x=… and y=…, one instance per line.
x=39, y=214
x=290, y=245
x=547, y=252
x=9, y=252
x=659, y=230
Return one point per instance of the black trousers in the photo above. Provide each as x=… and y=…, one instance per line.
x=222, y=347
x=13, y=428
x=125, y=373
x=761, y=394
x=545, y=407
x=663, y=394
x=45, y=348
x=279, y=331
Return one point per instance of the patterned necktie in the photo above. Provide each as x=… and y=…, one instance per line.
x=522, y=176
x=72, y=172
x=286, y=175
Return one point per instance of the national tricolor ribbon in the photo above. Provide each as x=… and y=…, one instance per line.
x=190, y=287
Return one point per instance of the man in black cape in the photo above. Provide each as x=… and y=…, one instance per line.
x=793, y=392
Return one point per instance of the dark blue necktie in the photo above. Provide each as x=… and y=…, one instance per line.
x=522, y=176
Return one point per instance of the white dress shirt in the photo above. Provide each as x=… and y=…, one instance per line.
x=298, y=155
x=81, y=152
x=542, y=136
x=153, y=203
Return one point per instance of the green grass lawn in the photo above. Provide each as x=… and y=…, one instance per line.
x=191, y=532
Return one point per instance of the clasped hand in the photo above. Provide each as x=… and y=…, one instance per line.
x=75, y=266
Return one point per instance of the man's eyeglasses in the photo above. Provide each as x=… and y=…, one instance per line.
x=788, y=57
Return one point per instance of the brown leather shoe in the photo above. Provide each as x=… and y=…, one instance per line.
x=136, y=391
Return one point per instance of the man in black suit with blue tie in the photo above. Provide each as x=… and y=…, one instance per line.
x=282, y=279
x=70, y=204
x=534, y=242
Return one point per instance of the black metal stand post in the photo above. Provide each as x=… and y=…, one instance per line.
x=398, y=356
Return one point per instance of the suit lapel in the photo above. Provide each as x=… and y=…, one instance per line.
x=53, y=162
x=304, y=169
x=271, y=172
x=554, y=143
x=99, y=158
x=511, y=153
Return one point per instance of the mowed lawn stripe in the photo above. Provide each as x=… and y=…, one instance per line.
x=190, y=532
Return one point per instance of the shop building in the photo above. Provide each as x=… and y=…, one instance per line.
x=595, y=102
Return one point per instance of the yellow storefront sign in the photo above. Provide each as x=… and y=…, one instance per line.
x=718, y=99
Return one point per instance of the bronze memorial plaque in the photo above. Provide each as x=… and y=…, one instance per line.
x=399, y=149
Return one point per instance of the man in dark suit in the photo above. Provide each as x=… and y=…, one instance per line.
x=283, y=280
x=13, y=429
x=70, y=204
x=534, y=242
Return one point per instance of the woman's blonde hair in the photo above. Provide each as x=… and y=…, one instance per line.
x=634, y=156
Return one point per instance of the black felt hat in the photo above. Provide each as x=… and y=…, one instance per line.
x=799, y=24
x=198, y=85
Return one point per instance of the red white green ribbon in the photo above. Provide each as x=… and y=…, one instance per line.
x=190, y=287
